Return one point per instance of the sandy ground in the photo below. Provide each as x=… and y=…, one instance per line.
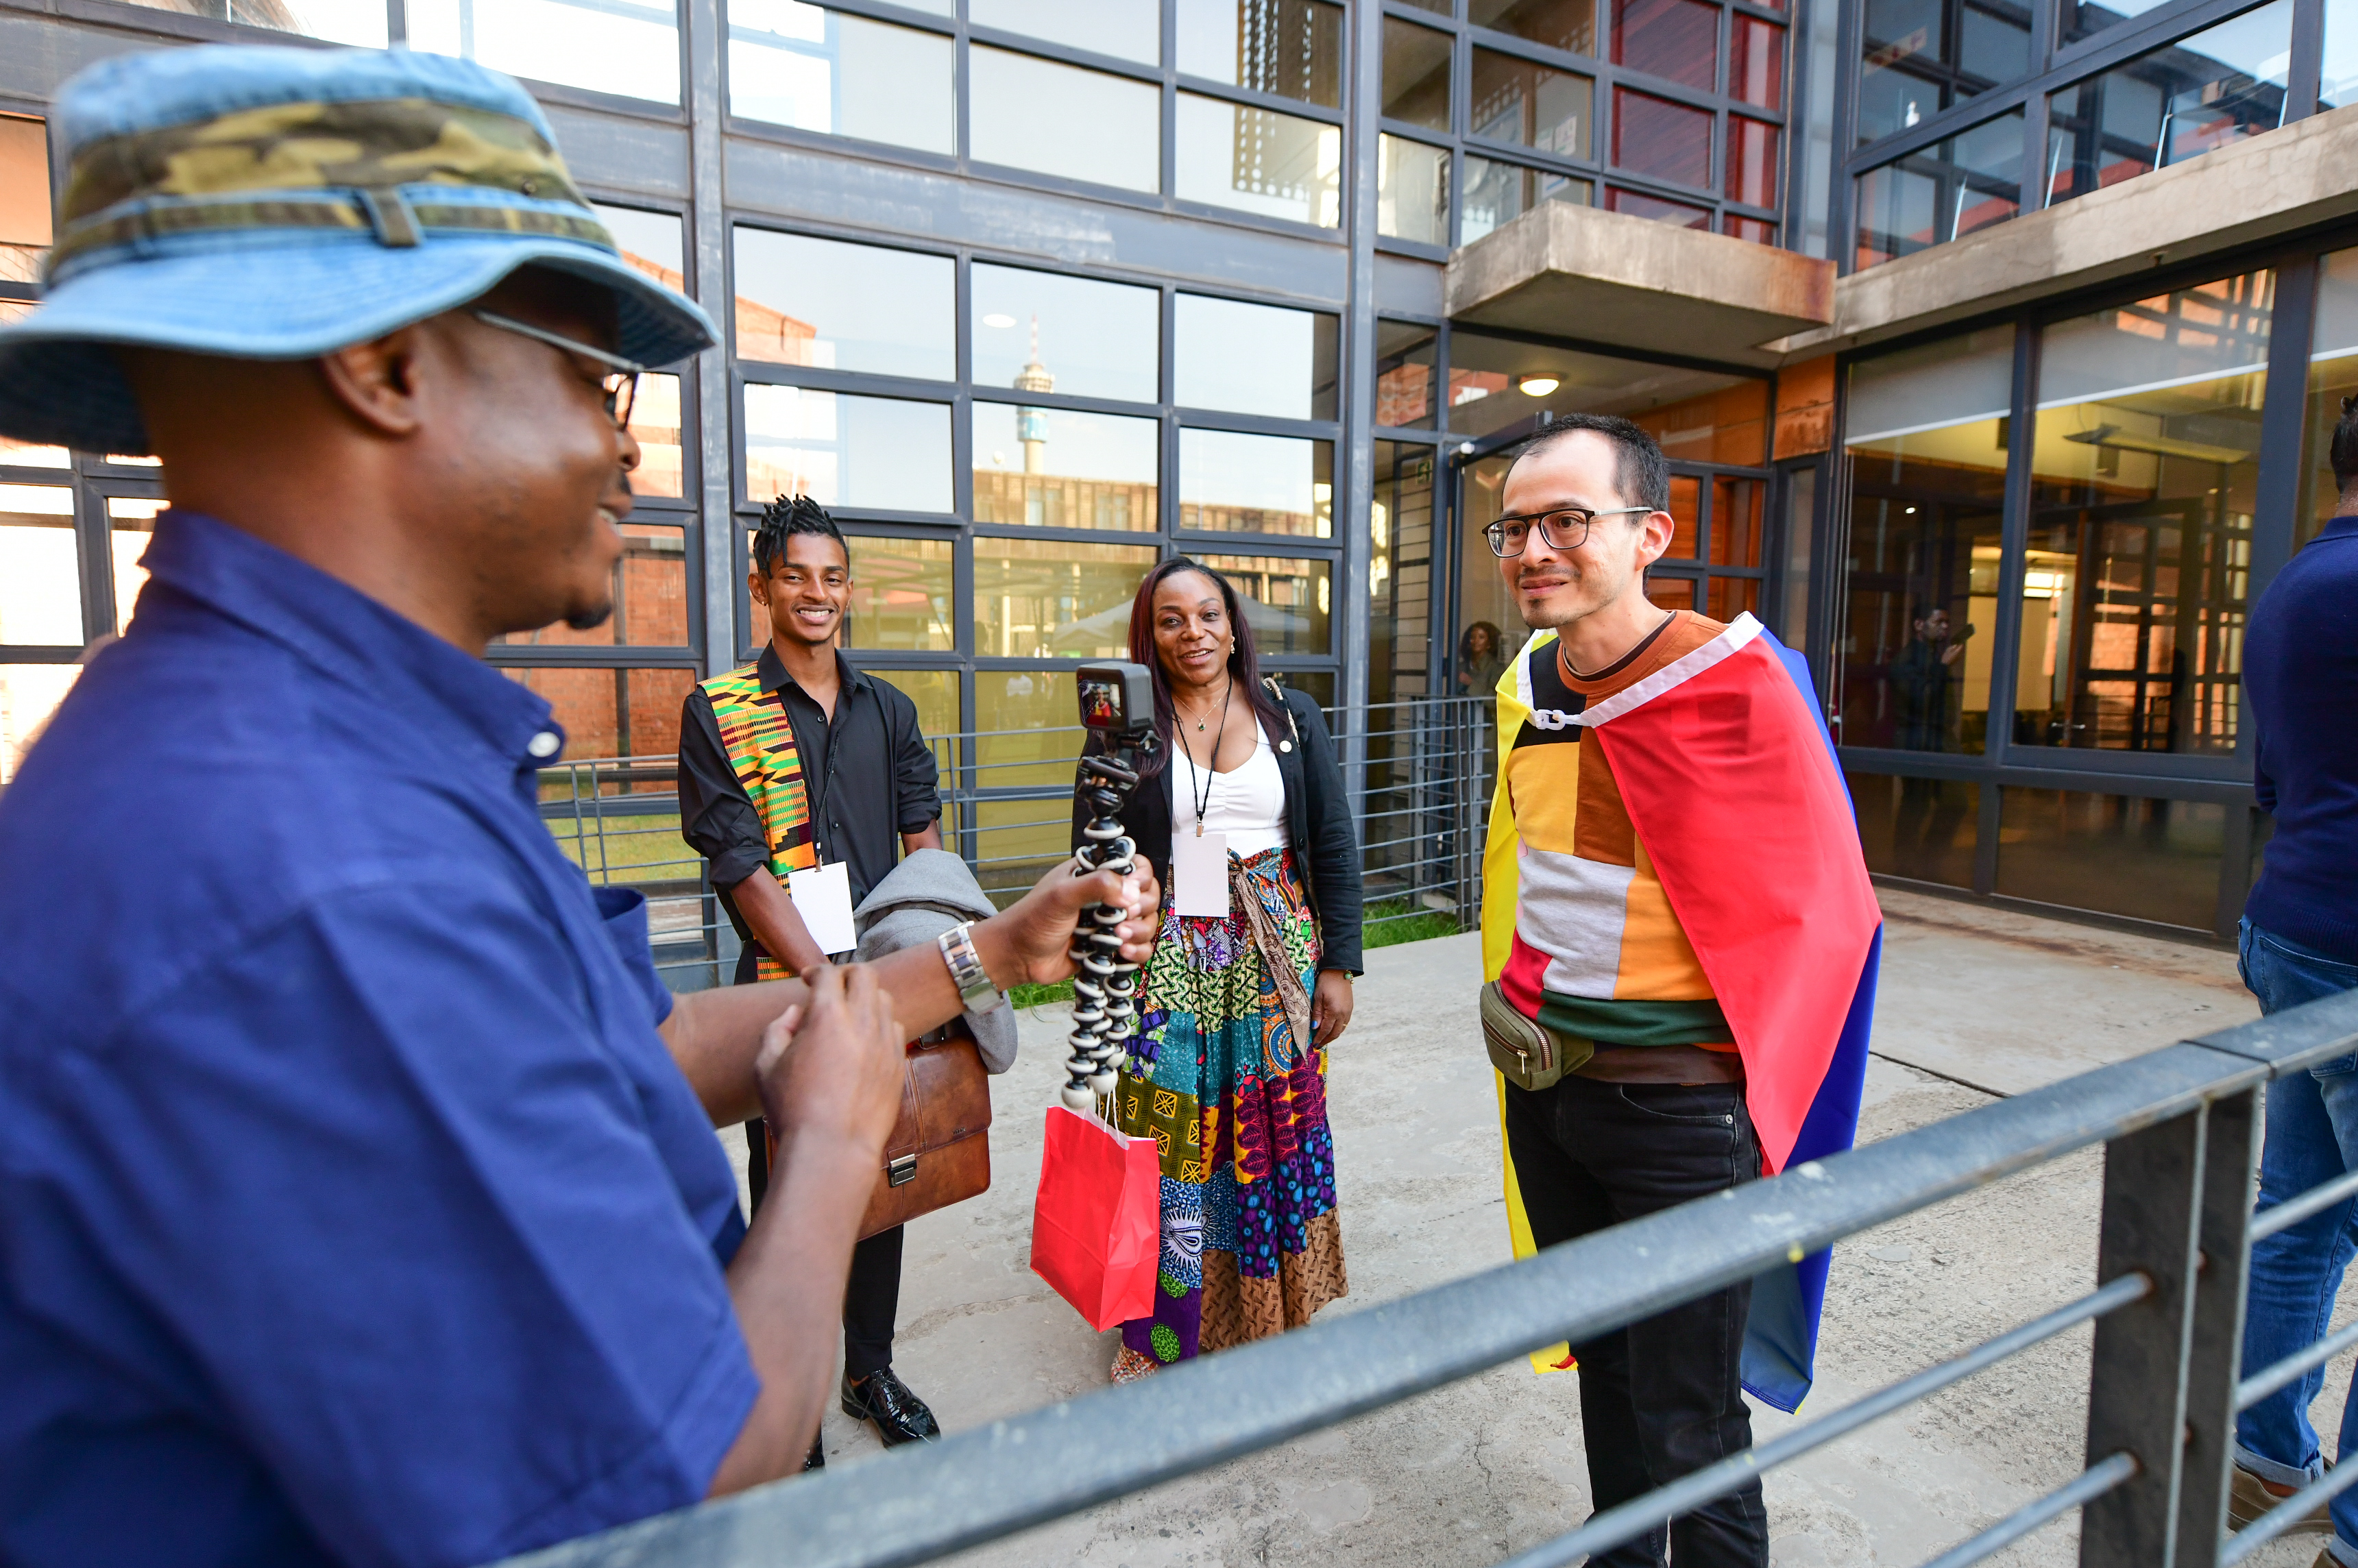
x=1974, y=1001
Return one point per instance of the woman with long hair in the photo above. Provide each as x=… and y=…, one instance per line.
x=1237, y=1012
x=1481, y=659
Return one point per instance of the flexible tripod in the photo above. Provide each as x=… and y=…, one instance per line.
x=1104, y=988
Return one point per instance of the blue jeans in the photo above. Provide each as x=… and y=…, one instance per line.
x=2312, y=1137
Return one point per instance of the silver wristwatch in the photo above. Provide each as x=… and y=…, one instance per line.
x=975, y=993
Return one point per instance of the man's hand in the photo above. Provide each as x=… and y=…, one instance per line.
x=831, y=1066
x=1030, y=941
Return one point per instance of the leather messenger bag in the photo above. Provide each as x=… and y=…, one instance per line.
x=939, y=1152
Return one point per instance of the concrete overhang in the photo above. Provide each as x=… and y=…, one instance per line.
x=1605, y=278
x=2272, y=185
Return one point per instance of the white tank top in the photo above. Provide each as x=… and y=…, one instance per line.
x=1247, y=805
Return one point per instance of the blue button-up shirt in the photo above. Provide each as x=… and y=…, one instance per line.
x=351, y=1207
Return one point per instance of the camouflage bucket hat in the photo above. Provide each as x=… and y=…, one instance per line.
x=263, y=203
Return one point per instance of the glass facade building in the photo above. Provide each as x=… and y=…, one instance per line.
x=1035, y=293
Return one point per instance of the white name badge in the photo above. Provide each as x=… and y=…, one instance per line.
x=1199, y=873
x=823, y=898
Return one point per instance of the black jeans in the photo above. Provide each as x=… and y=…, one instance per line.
x=872, y=1300
x=1661, y=1399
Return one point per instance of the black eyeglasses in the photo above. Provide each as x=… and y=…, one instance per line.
x=621, y=382
x=1564, y=528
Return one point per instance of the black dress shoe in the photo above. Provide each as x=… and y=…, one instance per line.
x=900, y=1415
x=816, y=1458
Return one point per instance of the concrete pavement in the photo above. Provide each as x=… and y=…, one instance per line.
x=1490, y=1465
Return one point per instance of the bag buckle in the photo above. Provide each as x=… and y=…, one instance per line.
x=901, y=1170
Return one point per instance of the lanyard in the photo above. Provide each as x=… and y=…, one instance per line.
x=1206, y=803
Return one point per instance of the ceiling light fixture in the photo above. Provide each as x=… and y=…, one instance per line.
x=1537, y=386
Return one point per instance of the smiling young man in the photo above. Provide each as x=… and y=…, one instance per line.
x=359, y=1196
x=1677, y=920
x=797, y=761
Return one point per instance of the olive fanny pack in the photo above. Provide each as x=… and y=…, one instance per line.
x=1531, y=1054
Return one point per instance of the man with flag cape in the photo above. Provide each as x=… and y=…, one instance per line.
x=1680, y=943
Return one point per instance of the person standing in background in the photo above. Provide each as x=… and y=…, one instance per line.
x=2299, y=944
x=1236, y=1010
x=1481, y=659
x=796, y=762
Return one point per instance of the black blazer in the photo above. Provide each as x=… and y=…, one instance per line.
x=1317, y=818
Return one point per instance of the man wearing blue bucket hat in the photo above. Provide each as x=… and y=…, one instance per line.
x=359, y=1198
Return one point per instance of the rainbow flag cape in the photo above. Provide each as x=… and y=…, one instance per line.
x=1732, y=784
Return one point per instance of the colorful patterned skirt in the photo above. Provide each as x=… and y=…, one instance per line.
x=1228, y=1086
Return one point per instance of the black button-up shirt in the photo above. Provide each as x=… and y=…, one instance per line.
x=869, y=775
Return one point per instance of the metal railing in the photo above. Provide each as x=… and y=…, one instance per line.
x=2180, y=1129
x=1007, y=809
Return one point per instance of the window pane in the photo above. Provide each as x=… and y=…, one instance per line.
x=1027, y=113
x=1499, y=193
x=650, y=597
x=614, y=713
x=1735, y=505
x=882, y=453
x=1995, y=46
x=1400, y=573
x=797, y=65
x=1255, y=359
x=1515, y=100
x=1751, y=162
x=801, y=300
x=1927, y=470
x=1232, y=482
x=2337, y=84
x=130, y=524
x=900, y=591
x=1558, y=23
x=936, y=693
x=1752, y=230
x=1412, y=191
x=649, y=241
x=1052, y=599
x=1095, y=340
x=2088, y=17
x=1292, y=48
x=1920, y=828
x=2333, y=375
x=1030, y=725
x=1962, y=183
x=1728, y=423
x=1726, y=598
x=24, y=206
x=360, y=23
x=1901, y=36
x=2121, y=854
x=2219, y=87
x=1405, y=375
x=1686, y=518
x=1755, y=62
x=1257, y=160
x=1056, y=468
x=28, y=695
x=40, y=589
x=1127, y=29
x=1497, y=382
x=1639, y=204
x=1416, y=74
x=1892, y=99
x=629, y=47
x=1660, y=139
x=2142, y=492
x=1675, y=38
x=1286, y=600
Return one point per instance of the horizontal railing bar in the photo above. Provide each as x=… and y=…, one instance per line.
x=2286, y=1215
x=2260, y=1385
x=2287, y=1513
x=904, y=1507
x=2093, y=1483
x=1633, y=1519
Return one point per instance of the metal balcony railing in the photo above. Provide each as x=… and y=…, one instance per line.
x=2180, y=1129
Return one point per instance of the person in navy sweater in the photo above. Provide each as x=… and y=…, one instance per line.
x=2299, y=943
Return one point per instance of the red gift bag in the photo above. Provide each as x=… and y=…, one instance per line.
x=1097, y=1227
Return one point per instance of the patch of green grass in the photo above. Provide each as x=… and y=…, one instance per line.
x=1039, y=996
x=1392, y=921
